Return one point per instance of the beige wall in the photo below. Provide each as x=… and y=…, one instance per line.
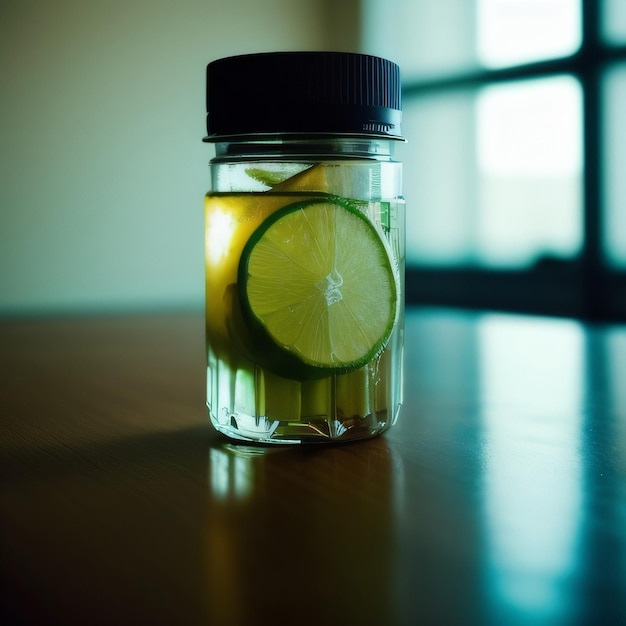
x=102, y=167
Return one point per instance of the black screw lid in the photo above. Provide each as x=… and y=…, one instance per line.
x=303, y=93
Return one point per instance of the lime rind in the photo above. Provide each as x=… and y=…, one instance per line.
x=282, y=175
x=288, y=331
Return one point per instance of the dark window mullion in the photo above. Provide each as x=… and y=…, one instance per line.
x=593, y=279
x=480, y=78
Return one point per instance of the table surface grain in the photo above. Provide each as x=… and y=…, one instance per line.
x=498, y=498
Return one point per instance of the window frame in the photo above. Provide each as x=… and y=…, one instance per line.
x=585, y=287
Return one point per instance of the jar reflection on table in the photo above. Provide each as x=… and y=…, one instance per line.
x=338, y=541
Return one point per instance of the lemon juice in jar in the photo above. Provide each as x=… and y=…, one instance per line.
x=304, y=245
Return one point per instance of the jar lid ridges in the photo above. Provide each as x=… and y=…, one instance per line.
x=303, y=92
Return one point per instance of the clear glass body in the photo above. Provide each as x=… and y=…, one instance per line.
x=247, y=397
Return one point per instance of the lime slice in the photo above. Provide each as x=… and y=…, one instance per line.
x=317, y=279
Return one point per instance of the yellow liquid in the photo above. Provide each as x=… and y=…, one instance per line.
x=248, y=401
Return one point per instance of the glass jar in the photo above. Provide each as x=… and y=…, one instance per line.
x=304, y=247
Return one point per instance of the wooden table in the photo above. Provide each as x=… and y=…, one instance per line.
x=499, y=498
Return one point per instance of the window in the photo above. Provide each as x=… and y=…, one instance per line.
x=614, y=21
x=515, y=112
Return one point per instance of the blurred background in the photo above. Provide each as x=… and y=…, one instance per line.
x=515, y=112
